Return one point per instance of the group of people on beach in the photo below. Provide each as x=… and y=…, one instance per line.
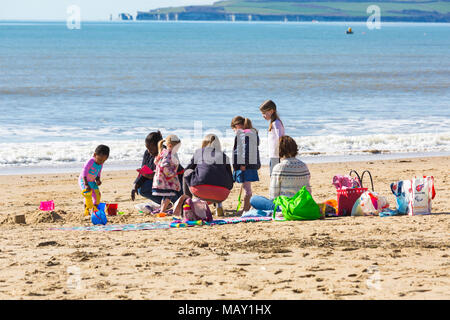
x=210, y=175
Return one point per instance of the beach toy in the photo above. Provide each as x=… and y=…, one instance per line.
x=178, y=225
x=19, y=218
x=112, y=209
x=194, y=223
x=369, y=204
x=357, y=210
x=121, y=212
x=98, y=216
x=161, y=214
x=239, y=200
x=145, y=170
x=88, y=200
x=47, y=205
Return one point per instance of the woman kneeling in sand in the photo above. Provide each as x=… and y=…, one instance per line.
x=288, y=176
x=208, y=176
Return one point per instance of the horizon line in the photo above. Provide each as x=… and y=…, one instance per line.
x=216, y=21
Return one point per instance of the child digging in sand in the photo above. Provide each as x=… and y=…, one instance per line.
x=89, y=179
x=165, y=181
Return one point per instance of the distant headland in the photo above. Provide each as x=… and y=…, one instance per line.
x=302, y=10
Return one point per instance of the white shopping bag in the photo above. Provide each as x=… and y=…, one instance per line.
x=420, y=192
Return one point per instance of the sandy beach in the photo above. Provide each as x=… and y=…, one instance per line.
x=400, y=257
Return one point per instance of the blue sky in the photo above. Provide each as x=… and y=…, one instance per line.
x=90, y=9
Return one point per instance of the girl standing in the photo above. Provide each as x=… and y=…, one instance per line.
x=246, y=161
x=165, y=182
x=89, y=179
x=276, y=131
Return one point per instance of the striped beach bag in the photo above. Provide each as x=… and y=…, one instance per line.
x=346, y=197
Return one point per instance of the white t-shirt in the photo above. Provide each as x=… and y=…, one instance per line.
x=273, y=138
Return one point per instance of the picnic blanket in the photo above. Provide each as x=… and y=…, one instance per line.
x=179, y=223
x=176, y=223
x=120, y=227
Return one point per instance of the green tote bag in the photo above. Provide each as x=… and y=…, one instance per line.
x=300, y=207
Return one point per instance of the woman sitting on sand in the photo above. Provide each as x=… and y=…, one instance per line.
x=144, y=182
x=288, y=176
x=209, y=176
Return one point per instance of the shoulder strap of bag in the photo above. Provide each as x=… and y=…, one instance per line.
x=371, y=180
x=209, y=216
x=433, y=191
x=392, y=189
x=359, y=178
x=274, y=212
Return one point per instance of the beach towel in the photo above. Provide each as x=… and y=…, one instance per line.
x=257, y=213
x=120, y=227
x=176, y=223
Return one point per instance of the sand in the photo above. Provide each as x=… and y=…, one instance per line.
x=399, y=257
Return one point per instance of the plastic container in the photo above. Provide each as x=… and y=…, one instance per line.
x=47, y=205
x=112, y=209
x=99, y=216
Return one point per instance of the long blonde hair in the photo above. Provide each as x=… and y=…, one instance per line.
x=170, y=139
x=267, y=106
x=211, y=140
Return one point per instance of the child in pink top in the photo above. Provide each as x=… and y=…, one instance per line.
x=89, y=179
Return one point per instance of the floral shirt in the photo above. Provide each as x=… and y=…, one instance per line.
x=166, y=180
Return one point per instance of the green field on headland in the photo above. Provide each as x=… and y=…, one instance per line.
x=305, y=10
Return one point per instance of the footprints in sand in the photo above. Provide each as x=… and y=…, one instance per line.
x=82, y=256
x=52, y=262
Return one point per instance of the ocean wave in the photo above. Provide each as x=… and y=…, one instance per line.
x=131, y=151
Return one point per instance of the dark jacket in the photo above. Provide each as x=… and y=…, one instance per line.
x=210, y=168
x=248, y=154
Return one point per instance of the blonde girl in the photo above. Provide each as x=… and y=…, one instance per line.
x=276, y=131
x=165, y=181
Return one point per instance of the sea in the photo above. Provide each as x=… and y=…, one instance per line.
x=374, y=94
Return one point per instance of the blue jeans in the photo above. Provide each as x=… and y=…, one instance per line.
x=146, y=191
x=262, y=203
